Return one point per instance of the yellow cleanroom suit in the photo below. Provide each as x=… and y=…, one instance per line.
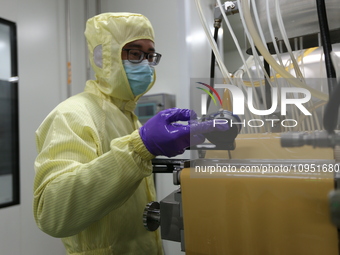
x=93, y=172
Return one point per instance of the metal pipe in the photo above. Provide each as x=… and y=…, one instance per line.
x=326, y=42
x=331, y=112
x=217, y=25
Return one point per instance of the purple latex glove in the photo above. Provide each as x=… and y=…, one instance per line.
x=162, y=135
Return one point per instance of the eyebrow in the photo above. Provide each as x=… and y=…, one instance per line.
x=138, y=46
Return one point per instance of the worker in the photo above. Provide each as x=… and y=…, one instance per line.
x=93, y=169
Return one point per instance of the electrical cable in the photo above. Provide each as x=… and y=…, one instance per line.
x=326, y=42
x=331, y=113
x=271, y=32
x=330, y=118
x=213, y=44
x=212, y=63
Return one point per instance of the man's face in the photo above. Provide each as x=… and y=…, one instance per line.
x=144, y=45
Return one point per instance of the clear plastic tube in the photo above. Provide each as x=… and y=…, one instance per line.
x=213, y=44
x=272, y=36
x=258, y=61
x=262, y=88
x=311, y=109
x=279, y=69
x=310, y=104
x=258, y=23
x=256, y=16
x=237, y=79
x=286, y=40
x=248, y=115
x=238, y=47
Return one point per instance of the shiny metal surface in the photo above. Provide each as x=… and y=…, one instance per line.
x=172, y=218
x=151, y=216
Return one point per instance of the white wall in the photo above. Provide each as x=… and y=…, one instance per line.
x=167, y=22
x=38, y=55
x=42, y=85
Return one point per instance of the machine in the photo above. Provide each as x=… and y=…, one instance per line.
x=269, y=185
x=149, y=105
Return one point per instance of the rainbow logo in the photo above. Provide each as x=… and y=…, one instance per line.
x=211, y=95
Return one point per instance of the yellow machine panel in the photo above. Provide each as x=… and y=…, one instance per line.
x=259, y=213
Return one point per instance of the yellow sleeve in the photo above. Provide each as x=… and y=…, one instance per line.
x=75, y=185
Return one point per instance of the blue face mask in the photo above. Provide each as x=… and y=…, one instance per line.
x=139, y=75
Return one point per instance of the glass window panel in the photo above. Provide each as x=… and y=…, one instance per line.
x=5, y=52
x=9, y=131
